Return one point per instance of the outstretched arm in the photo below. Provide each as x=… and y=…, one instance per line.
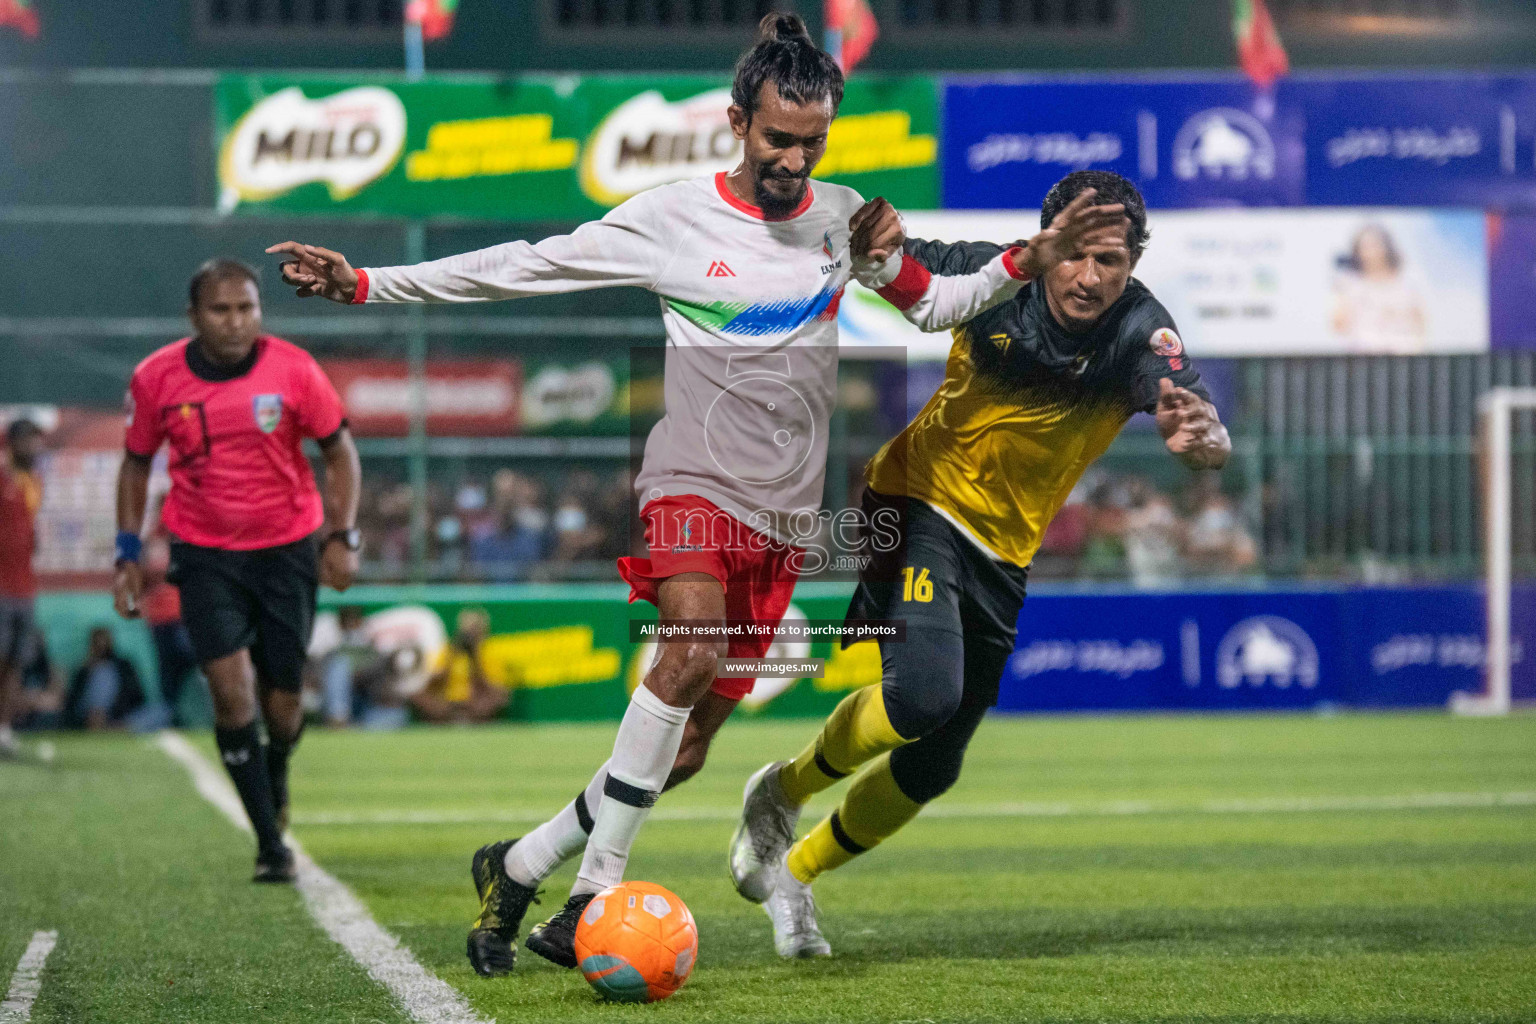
x=624, y=248
x=937, y=302
x=930, y=301
x=1191, y=428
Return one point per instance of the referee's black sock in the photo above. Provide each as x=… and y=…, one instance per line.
x=246, y=762
x=279, y=750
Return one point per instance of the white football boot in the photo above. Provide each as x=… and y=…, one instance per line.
x=766, y=832
x=792, y=910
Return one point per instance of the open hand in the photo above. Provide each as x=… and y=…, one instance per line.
x=317, y=271
x=1079, y=227
x=1189, y=427
x=877, y=233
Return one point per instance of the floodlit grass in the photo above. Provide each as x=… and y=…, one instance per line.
x=1084, y=869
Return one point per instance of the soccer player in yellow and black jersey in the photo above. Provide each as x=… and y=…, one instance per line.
x=1035, y=390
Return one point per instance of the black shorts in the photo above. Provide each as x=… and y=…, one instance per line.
x=935, y=576
x=263, y=600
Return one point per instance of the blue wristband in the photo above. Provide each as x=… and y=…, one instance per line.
x=128, y=546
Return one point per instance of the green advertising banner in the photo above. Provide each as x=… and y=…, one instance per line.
x=584, y=398
x=532, y=148
x=564, y=650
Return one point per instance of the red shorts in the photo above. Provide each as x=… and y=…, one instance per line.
x=687, y=533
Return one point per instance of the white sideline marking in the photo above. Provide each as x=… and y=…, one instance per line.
x=27, y=982
x=1119, y=808
x=425, y=996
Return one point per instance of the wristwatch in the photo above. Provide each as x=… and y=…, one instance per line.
x=352, y=538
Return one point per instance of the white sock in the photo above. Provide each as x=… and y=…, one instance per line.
x=536, y=856
x=643, y=753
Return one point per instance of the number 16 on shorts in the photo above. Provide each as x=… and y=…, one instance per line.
x=915, y=585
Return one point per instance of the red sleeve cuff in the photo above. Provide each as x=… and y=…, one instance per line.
x=910, y=285
x=361, y=295
x=1011, y=260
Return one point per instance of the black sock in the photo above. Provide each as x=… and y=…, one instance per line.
x=246, y=763
x=278, y=752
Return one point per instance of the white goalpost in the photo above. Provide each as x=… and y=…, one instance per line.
x=1496, y=410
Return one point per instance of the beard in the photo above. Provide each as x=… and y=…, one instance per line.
x=773, y=204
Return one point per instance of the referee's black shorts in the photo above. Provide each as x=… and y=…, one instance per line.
x=263, y=600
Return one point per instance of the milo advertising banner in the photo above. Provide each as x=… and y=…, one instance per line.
x=533, y=148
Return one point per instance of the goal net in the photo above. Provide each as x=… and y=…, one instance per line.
x=1497, y=413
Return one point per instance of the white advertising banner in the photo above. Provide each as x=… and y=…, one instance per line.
x=1269, y=282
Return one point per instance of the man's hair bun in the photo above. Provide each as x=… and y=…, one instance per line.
x=783, y=27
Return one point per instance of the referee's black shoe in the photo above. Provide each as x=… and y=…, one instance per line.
x=555, y=939
x=503, y=903
x=277, y=866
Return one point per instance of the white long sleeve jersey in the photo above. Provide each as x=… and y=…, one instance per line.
x=750, y=310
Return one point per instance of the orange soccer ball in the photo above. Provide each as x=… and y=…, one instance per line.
x=636, y=942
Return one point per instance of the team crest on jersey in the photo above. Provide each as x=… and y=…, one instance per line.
x=826, y=244
x=687, y=544
x=269, y=411
x=1166, y=343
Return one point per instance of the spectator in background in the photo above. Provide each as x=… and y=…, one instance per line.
x=392, y=525
x=1154, y=536
x=344, y=666
x=453, y=529
x=42, y=689
x=472, y=504
x=520, y=533
x=21, y=494
x=460, y=691
x=615, y=508
x=106, y=689
x=578, y=537
x=161, y=608
x=1104, y=546
x=1066, y=538
x=381, y=689
x=1216, y=543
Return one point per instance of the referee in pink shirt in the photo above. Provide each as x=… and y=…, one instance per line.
x=235, y=405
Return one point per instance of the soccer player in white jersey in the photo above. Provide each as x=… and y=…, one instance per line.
x=749, y=266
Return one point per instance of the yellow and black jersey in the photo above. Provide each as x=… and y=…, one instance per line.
x=1026, y=406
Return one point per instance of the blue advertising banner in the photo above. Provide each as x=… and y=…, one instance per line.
x=1256, y=650
x=1463, y=140
x=1185, y=144
x=1452, y=140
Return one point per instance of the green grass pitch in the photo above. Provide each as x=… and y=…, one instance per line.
x=1212, y=869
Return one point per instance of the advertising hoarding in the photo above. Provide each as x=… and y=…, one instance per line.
x=473, y=397
x=1268, y=282
x=532, y=148
x=1357, y=281
x=1381, y=647
x=1216, y=140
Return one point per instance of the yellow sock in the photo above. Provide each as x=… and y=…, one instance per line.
x=874, y=809
x=857, y=730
